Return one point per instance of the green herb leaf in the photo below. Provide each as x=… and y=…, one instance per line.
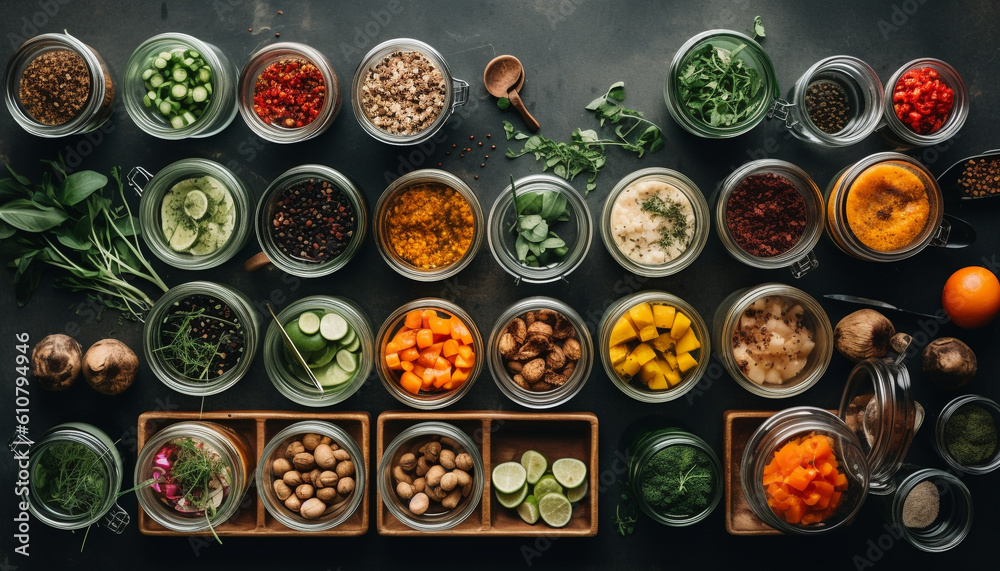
x=79, y=185
x=503, y=103
x=758, y=28
x=26, y=215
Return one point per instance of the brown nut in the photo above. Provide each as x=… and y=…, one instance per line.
x=419, y=503
x=514, y=366
x=466, y=490
x=326, y=479
x=555, y=379
x=313, y=476
x=447, y=442
x=571, y=348
x=449, y=481
x=541, y=386
x=280, y=466
x=463, y=477
x=519, y=381
x=533, y=346
x=563, y=328
x=555, y=359
x=293, y=503
x=434, y=475
x=432, y=451
x=293, y=449
x=422, y=466
x=451, y=500
x=305, y=491
x=304, y=461
x=533, y=370
x=293, y=479
x=506, y=345
x=327, y=494
x=408, y=461
x=345, y=486
x=464, y=462
x=569, y=368
x=345, y=468
x=436, y=493
x=518, y=329
x=324, y=456
x=312, y=508
x=340, y=454
x=447, y=459
x=540, y=328
x=405, y=491
x=547, y=315
x=419, y=484
x=311, y=441
x=326, y=440
x=282, y=490
x=401, y=476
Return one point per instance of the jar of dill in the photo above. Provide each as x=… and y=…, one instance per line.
x=75, y=475
x=200, y=338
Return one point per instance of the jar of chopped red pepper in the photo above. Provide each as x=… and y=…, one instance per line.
x=925, y=102
x=289, y=92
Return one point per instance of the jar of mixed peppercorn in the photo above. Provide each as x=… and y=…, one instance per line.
x=57, y=85
x=289, y=92
x=311, y=221
x=925, y=103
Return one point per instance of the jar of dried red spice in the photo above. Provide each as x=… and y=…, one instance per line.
x=916, y=110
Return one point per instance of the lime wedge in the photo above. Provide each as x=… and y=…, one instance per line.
x=528, y=510
x=303, y=342
x=196, y=204
x=513, y=500
x=348, y=361
x=308, y=323
x=555, y=510
x=184, y=236
x=569, y=472
x=576, y=494
x=333, y=326
x=509, y=477
x=535, y=464
x=547, y=485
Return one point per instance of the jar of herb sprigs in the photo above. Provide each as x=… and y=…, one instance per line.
x=674, y=476
x=965, y=435
x=931, y=509
x=222, y=462
x=176, y=86
x=76, y=473
x=56, y=85
x=835, y=103
x=200, y=338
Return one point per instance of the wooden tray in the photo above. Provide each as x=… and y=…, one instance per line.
x=738, y=426
x=504, y=436
x=258, y=427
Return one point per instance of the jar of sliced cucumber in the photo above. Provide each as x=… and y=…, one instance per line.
x=177, y=86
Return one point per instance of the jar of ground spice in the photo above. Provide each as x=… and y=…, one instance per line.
x=966, y=434
x=931, y=509
x=57, y=85
x=835, y=103
x=925, y=103
x=311, y=221
x=769, y=214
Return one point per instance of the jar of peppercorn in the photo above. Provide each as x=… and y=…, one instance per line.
x=311, y=221
x=769, y=214
x=57, y=85
x=835, y=103
x=925, y=103
x=289, y=92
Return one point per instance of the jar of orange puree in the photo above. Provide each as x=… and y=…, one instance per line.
x=885, y=208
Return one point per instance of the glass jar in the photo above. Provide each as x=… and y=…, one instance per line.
x=576, y=232
x=629, y=384
x=218, y=113
x=953, y=519
x=426, y=400
x=433, y=178
x=727, y=319
x=105, y=457
x=153, y=190
x=799, y=259
x=641, y=452
x=941, y=442
x=335, y=514
x=101, y=93
x=242, y=312
x=237, y=461
x=900, y=135
x=877, y=407
x=856, y=81
x=409, y=441
x=456, y=91
x=276, y=54
x=665, y=180
x=267, y=208
x=753, y=56
x=576, y=379
x=934, y=231
x=292, y=382
x=785, y=426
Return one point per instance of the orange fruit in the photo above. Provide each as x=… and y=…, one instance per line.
x=971, y=297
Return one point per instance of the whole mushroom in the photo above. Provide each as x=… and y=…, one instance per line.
x=110, y=366
x=56, y=362
x=949, y=363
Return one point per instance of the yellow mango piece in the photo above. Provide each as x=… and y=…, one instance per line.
x=617, y=353
x=631, y=365
x=623, y=331
x=643, y=353
x=620, y=369
x=680, y=326
x=648, y=333
x=658, y=383
x=686, y=362
x=671, y=360
x=673, y=377
x=663, y=316
x=688, y=342
x=649, y=370
x=663, y=342
x=662, y=364
x=642, y=315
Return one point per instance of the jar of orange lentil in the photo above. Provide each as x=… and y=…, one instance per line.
x=428, y=225
x=884, y=208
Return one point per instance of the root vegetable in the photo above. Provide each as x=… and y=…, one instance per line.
x=56, y=362
x=312, y=508
x=949, y=363
x=864, y=334
x=419, y=503
x=110, y=366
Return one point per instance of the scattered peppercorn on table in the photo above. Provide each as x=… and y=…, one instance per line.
x=571, y=50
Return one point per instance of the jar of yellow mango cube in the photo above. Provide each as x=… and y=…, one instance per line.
x=654, y=345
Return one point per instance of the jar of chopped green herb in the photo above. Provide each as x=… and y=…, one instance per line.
x=674, y=476
x=966, y=434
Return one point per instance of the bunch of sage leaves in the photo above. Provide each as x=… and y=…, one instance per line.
x=536, y=244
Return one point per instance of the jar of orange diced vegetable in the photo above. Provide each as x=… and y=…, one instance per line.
x=804, y=471
x=428, y=353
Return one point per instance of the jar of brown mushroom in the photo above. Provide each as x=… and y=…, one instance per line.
x=540, y=352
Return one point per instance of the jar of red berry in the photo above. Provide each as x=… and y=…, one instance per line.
x=925, y=103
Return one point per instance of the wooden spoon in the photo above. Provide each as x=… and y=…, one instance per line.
x=504, y=76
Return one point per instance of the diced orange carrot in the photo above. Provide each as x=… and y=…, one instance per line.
x=405, y=338
x=788, y=457
x=413, y=319
x=406, y=365
x=418, y=370
x=410, y=382
x=460, y=331
x=393, y=347
x=427, y=383
x=798, y=479
x=442, y=378
x=442, y=364
x=440, y=325
x=466, y=357
x=429, y=356
x=392, y=361
x=797, y=508
x=840, y=482
x=449, y=348
x=425, y=318
x=409, y=354
x=460, y=374
x=425, y=338
x=802, y=482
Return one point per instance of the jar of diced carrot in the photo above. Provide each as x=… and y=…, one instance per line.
x=804, y=471
x=428, y=353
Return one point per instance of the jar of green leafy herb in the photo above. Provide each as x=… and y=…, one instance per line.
x=75, y=475
x=200, y=338
x=674, y=476
x=966, y=434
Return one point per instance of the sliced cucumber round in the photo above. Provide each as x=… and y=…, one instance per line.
x=348, y=361
x=309, y=323
x=333, y=327
x=196, y=204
